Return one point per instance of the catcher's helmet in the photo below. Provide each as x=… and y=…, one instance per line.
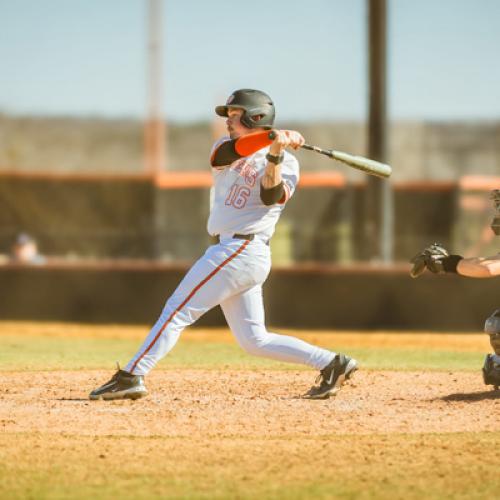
x=492, y=324
x=257, y=105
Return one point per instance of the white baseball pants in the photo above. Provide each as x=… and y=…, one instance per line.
x=230, y=274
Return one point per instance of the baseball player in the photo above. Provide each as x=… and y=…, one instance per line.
x=437, y=259
x=253, y=178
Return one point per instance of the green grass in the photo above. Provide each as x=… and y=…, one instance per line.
x=382, y=466
x=29, y=352
x=71, y=465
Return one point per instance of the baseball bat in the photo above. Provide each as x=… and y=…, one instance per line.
x=368, y=166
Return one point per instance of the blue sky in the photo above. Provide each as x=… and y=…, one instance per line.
x=88, y=57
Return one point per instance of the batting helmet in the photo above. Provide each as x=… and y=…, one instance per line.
x=257, y=105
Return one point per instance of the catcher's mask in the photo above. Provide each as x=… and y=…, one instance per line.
x=495, y=225
x=257, y=105
x=492, y=324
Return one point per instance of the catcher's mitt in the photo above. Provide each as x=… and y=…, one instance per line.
x=430, y=258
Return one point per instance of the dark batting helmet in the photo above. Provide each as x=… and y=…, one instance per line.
x=257, y=105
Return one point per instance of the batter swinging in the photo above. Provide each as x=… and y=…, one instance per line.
x=253, y=180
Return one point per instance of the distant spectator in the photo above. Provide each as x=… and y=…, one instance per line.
x=25, y=250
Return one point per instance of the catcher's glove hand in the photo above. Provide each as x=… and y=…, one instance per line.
x=430, y=258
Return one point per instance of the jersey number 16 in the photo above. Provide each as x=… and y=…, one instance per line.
x=238, y=196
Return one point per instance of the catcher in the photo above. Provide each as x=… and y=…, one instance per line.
x=437, y=259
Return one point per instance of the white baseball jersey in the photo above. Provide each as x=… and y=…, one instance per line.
x=231, y=273
x=236, y=204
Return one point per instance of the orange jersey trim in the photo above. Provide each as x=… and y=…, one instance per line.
x=286, y=194
x=187, y=299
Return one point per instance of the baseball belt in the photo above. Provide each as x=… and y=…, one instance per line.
x=238, y=236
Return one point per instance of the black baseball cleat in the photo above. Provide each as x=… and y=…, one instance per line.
x=123, y=385
x=332, y=377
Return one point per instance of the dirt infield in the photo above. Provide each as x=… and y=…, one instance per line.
x=213, y=403
x=217, y=424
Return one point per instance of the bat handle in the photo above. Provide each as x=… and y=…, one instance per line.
x=272, y=135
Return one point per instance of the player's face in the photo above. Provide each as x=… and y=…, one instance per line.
x=234, y=125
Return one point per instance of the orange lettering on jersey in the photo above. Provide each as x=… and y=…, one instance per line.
x=246, y=170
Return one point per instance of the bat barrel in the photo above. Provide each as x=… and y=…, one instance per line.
x=365, y=164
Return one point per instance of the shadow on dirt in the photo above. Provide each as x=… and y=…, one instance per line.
x=472, y=396
x=72, y=399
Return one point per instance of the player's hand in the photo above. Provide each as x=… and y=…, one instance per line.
x=430, y=258
x=285, y=139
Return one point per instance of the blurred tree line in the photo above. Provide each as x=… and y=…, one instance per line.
x=418, y=150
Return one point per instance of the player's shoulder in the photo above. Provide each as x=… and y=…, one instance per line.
x=290, y=163
x=220, y=141
x=216, y=145
x=290, y=158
